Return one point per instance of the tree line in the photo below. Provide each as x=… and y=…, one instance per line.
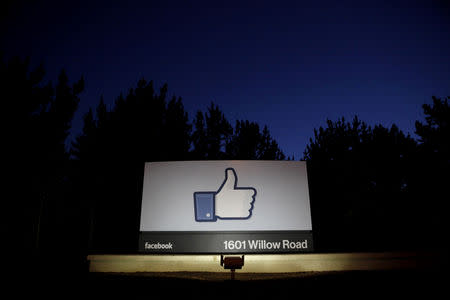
x=377, y=188
x=371, y=187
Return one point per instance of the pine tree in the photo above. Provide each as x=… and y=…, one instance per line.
x=39, y=118
x=360, y=184
x=212, y=132
x=248, y=142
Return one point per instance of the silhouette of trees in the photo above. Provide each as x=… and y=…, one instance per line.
x=212, y=133
x=38, y=119
x=433, y=169
x=371, y=187
x=142, y=126
x=111, y=151
x=215, y=138
x=248, y=142
x=360, y=185
x=435, y=131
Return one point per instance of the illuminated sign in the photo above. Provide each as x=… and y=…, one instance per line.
x=225, y=207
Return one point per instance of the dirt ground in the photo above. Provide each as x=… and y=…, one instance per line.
x=349, y=285
x=219, y=277
x=355, y=285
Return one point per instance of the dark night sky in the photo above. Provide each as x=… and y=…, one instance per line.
x=290, y=65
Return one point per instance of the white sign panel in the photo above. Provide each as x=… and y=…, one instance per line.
x=223, y=197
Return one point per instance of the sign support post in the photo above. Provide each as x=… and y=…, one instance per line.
x=232, y=263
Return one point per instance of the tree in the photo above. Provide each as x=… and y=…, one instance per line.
x=434, y=134
x=39, y=118
x=177, y=130
x=199, y=138
x=433, y=172
x=111, y=152
x=359, y=184
x=215, y=138
x=212, y=133
x=248, y=142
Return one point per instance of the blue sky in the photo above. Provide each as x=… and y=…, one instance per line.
x=288, y=65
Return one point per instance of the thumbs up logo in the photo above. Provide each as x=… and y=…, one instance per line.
x=230, y=202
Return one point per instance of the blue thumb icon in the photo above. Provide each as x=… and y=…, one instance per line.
x=229, y=202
